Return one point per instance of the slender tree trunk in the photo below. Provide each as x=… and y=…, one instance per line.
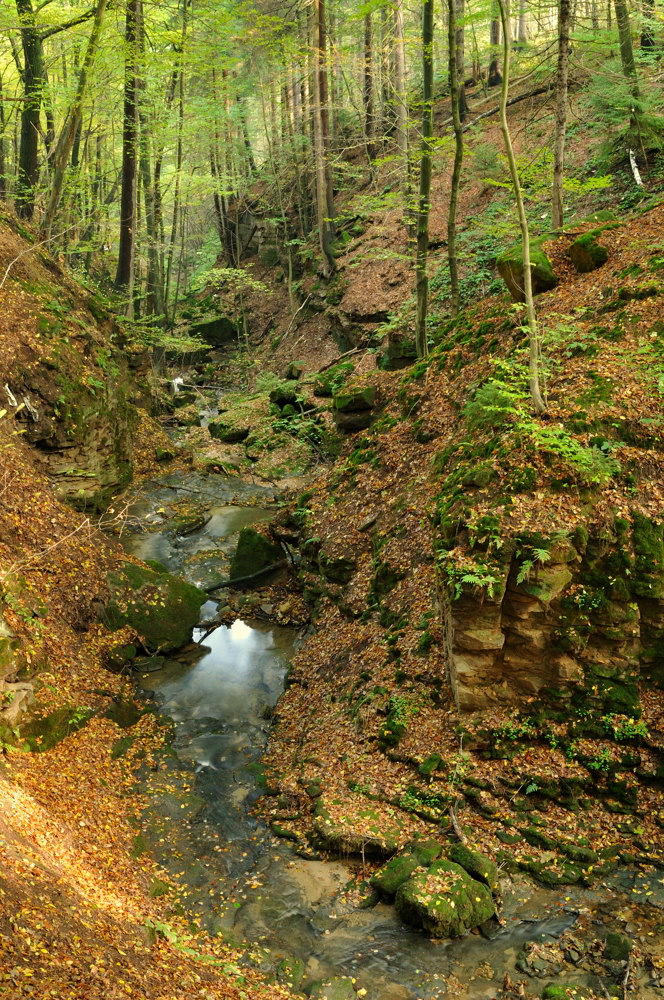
x=648, y=24
x=531, y=315
x=324, y=93
x=368, y=86
x=494, y=79
x=522, y=33
x=401, y=106
x=564, y=10
x=422, y=248
x=627, y=54
x=460, y=42
x=128, y=201
x=3, y=163
x=455, y=96
x=73, y=123
x=321, y=130
x=33, y=77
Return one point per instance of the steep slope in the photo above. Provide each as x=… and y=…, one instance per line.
x=83, y=913
x=489, y=590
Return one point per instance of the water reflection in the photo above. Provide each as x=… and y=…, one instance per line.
x=238, y=677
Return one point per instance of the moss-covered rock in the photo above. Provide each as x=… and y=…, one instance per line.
x=400, y=868
x=358, y=825
x=254, y=553
x=334, y=989
x=354, y=400
x=162, y=608
x=221, y=430
x=477, y=865
x=510, y=268
x=586, y=253
x=445, y=901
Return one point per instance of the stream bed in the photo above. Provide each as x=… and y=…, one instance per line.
x=235, y=876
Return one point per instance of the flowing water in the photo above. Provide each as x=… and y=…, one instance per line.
x=236, y=876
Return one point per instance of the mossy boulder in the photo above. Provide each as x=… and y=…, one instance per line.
x=216, y=331
x=586, y=253
x=510, y=268
x=444, y=901
x=357, y=825
x=400, y=351
x=254, y=553
x=648, y=538
x=477, y=865
x=334, y=989
x=162, y=608
x=221, y=430
x=399, y=869
x=354, y=400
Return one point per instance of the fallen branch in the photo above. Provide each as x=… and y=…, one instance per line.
x=512, y=100
x=456, y=826
x=335, y=361
x=246, y=579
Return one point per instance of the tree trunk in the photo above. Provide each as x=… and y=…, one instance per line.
x=3, y=163
x=324, y=94
x=422, y=248
x=460, y=41
x=522, y=33
x=531, y=316
x=128, y=201
x=564, y=11
x=321, y=132
x=455, y=96
x=368, y=86
x=494, y=79
x=648, y=24
x=401, y=105
x=33, y=76
x=72, y=124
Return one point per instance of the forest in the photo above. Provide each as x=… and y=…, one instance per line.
x=331, y=499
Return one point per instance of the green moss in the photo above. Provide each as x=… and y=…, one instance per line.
x=476, y=864
x=649, y=549
x=445, y=901
x=162, y=608
x=510, y=268
x=587, y=253
x=254, y=553
x=353, y=400
x=428, y=766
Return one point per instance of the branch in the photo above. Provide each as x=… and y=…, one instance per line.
x=49, y=32
x=512, y=100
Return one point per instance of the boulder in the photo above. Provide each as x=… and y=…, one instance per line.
x=399, y=352
x=162, y=608
x=510, y=268
x=477, y=865
x=399, y=869
x=444, y=901
x=354, y=400
x=221, y=430
x=334, y=989
x=254, y=553
x=216, y=332
x=586, y=253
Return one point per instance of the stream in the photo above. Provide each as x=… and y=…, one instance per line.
x=235, y=876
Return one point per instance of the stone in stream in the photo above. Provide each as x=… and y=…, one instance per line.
x=477, y=865
x=334, y=989
x=399, y=869
x=162, y=608
x=444, y=901
x=255, y=552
